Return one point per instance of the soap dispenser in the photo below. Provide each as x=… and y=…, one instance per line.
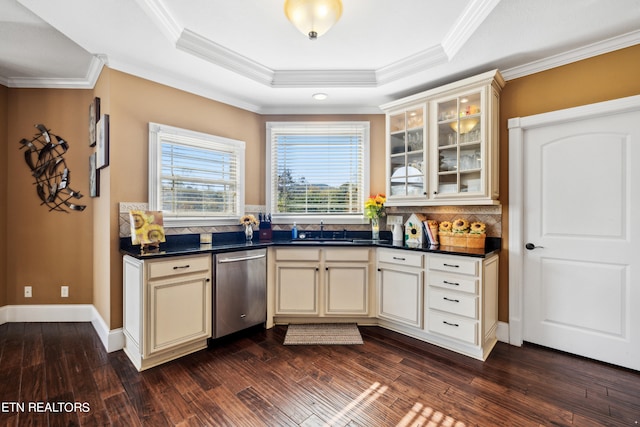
x=294, y=232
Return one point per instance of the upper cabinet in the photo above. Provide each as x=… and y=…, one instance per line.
x=407, y=152
x=442, y=144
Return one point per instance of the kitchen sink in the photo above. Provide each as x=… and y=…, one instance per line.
x=321, y=241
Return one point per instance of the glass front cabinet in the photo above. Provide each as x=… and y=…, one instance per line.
x=407, y=153
x=442, y=144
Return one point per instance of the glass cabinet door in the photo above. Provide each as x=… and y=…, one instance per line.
x=407, y=153
x=459, y=145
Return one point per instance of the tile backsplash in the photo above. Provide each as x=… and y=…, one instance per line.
x=490, y=215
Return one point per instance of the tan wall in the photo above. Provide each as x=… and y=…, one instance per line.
x=47, y=249
x=602, y=78
x=133, y=103
x=4, y=148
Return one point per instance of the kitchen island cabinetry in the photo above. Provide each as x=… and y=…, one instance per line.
x=167, y=308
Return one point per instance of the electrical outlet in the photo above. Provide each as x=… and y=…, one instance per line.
x=27, y=292
x=64, y=291
x=394, y=220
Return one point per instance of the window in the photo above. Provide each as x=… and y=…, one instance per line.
x=195, y=178
x=317, y=169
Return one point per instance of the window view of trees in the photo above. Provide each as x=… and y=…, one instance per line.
x=300, y=196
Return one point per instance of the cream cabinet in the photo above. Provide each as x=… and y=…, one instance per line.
x=297, y=281
x=400, y=286
x=456, y=161
x=462, y=303
x=167, y=308
x=407, y=153
x=322, y=282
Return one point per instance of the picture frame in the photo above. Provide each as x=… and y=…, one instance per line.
x=94, y=115
x=102, y=142
x=94, y=177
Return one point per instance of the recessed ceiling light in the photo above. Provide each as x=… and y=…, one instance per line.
x=320, y=96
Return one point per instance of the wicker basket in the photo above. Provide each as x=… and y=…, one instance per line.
x=459, y=239
x=445, y=238
x=476, y=240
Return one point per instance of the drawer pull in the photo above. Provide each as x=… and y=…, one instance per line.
x=399, y=258
x=449, y=299
x=450, y=324
x=450, y=283
x=451, y=265
x=178, y=267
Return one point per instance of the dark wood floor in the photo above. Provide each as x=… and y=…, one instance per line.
x=61, y=375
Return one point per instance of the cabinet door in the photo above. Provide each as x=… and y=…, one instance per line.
x=179, y=312
x=297, y=289
x=407, y=155
x=459, y=157
x=346, y=290
x=400, y=295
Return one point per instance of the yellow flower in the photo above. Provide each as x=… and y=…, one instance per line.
x=249, y=220
x=374, y=206
x=445, y=226
x=478, y=227
x=460, y=225
x=155, y=233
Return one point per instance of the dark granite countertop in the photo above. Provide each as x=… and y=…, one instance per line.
x=227, y=242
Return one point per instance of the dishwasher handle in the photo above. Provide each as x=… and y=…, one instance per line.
x=238, y=259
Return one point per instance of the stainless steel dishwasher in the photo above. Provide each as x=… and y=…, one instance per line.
x=240, y=291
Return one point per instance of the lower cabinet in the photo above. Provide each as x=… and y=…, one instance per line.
x=167, y=308
x=462, y=295
x=322, y=282
x=400, y=286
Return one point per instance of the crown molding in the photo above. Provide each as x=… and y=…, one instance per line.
x=164, y=20
x=421, y=61
x=87, y=82
x=324, y=78
x=468, y=22
x=194, y=43
x=575, y=55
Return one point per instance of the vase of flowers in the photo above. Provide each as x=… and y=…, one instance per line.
x=248, y=221
x=374, y=209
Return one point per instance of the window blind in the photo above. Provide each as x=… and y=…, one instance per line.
x=318, y=167
x=195, y=178
x=198, y=181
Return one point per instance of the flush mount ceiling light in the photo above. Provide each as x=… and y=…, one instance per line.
x=320, y=96
x=313, y=17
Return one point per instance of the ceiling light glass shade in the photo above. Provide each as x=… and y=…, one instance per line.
x=313, y=17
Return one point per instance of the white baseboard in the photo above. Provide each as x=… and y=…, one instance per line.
x=502, y=333
x=112, y=340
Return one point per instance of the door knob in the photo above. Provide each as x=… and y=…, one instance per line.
x=531, y=246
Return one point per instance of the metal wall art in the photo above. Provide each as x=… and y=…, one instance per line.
x=50, y=171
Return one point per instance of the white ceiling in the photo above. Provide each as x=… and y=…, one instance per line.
x=245, y=52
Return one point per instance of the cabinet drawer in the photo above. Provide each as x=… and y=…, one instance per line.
x=291, y=254
x=342, y=254
x=453, y=302
x=453, y=281
x=454, y=264
x=399, y=257
x=179, y=265
x=453, y=326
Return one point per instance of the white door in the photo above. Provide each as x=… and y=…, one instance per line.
x=581, y=236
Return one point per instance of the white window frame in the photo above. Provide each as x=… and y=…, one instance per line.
x=159, y=133
x=316, y=218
